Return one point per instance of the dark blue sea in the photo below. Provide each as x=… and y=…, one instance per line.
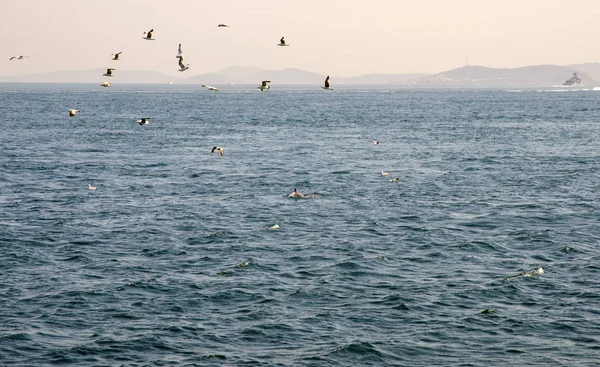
x=171, y=262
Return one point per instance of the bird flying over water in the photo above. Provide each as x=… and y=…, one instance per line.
x=22, y=57
x=222, y=25
x=209, y=87
x=326, y=86
x=148, y=35
x=116, y=56
x=109, y=72
x=73, y=112
x=105, y=84
x=182, y=66
x=264, y=85
x=219, y=149
x=143, y=121
x=179, y=52
x=282, y=42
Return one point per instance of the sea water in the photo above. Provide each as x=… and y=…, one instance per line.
x=171, y=260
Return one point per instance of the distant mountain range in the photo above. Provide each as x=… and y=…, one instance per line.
x=538, y=75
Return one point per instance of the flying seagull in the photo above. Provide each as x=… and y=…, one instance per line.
x=109, y=72
x=222, y=25
x=105, y=84
x=143, y=121
x=326, y=86
x=18, y=57
x=179, y=52
x=209, y=87
x=182, y=66
x=116, y=56
x=219, y=149
x=282, y=42
x=73, y=112
x=91, y=187
x=148, y=35
x=264, y=85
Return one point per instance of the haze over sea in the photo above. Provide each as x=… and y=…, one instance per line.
x=170, y=261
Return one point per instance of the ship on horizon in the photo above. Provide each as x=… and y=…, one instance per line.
x=574, y=80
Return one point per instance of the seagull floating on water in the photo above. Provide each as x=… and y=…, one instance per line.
x=73, y=112
x=148, y=35
x=219, y=149
x=375, y=142
x=209, y=87
x=105, y=84
x=383, y=173
x=282, y=42
x=395, y=179
x=298, y=195
x=326, y=86
x=223, y=25
x=143, y=121
x=116, y=56
x=22, y=57
x=264, y=85
x=91, y=187
x=109, y=72
x=182, y=66
x=273, y=227
x=179, y=52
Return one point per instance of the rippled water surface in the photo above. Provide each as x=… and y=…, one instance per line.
x=170, y=261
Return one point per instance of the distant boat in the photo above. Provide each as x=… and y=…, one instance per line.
x=574, y=80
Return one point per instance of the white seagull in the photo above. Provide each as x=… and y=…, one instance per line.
x=91, y=187
x=22, y=57
x=223, y=25
x=219, y=149
x=148, y=35
x=326, y=86
x=179, y=52
x=264, y=85
x=282, y=42
x=109, y=72
x=105, y=84
x=73, y=112
x=209, y=87
x=143, y=121
x=116, y=56
x=383, y=173
x=182, y=66
x=375, y=142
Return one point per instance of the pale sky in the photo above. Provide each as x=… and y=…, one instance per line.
x=341, y=37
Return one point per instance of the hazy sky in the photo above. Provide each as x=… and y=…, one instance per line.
x=340, y=37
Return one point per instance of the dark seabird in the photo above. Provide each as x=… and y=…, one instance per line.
x=264, y=85
x=222, y=25
x=326, y=86
x=22, y=57
x=116, y=56
x=219, y=149
x=282, y=42
x=143, y=121
x=179, y=52
x=148, y=35
x=109, y=72
x=182, y=66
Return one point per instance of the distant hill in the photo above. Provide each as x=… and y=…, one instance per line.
x=538, y=75
x=467, y=76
